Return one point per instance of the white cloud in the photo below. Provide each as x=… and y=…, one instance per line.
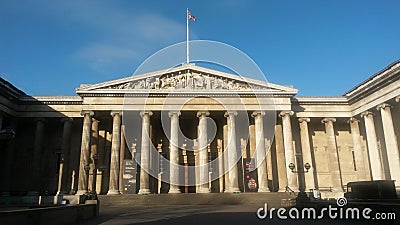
x=121, y=34
x=158, y=28
x=99, y=56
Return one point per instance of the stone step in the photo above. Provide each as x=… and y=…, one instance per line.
x=273, y=199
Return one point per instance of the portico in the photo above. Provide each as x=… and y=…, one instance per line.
x=192, y=129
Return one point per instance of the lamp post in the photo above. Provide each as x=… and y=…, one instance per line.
x=302, y=196
x=93, y=192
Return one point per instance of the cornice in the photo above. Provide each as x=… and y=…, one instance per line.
x=51, y=100
x=377, y=81
x=329, y=100
x=187, y=94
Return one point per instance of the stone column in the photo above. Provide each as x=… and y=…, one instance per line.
x=225, y=153
x=101, y=168
x=391, y=143
x=261, y=153
x=85, y=151
x=38, y=143
x=65, y=149
x=373, y=151
x=106, y=162
x=203, y=154
x=115, y=148
x=37, y=155
x=336, y=179
x=94, y=142
x=280, y=158
x=174, y=153
x=8, y=154
x=121, y=160
x=1, y=120
x=289, y=150
x=220, y=165
x=232, y=152
x=358, y=155
x=306, y=152
x=145, y=153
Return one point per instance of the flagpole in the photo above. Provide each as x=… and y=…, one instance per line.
x=187, y=35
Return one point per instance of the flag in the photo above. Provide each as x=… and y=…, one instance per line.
x=190, y=16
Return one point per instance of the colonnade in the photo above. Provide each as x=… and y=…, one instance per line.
x=287, y=179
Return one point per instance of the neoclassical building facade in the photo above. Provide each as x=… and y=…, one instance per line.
x=110, y=137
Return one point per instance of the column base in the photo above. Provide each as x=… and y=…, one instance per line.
x=144, y=192
x=281, y=190
x=292, y=189
x=174, y=191
x=263, y=190
x=113, y=192
x=233, y=190
x=61, y=193
x=333, y=194
x=203, y=190
x=81, y=192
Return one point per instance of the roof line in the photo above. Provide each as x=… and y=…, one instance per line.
x=373, y=76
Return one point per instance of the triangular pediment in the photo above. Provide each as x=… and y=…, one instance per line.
x=186, y=78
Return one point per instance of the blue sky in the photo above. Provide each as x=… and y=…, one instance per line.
x=320, y=47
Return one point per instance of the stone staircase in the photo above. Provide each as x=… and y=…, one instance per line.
x=274, y=199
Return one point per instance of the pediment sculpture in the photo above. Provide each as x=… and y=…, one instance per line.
x=195, y=81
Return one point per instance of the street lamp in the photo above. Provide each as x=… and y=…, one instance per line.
x=307, y=166
x=302, y=196
x=292, y=167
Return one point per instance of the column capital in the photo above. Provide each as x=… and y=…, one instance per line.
x=66, y=119
x=142, y=113
x=328, y=119
x=256, y=113
x=171, y=113
x=383, y=106
x=286, y=113
x=352, y=120
x=202, y=113
x=230, y=113
x=367, y=113
x=84, y=112
x=113, y=113
x=304, y=119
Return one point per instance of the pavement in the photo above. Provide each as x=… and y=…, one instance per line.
x=199, y=209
